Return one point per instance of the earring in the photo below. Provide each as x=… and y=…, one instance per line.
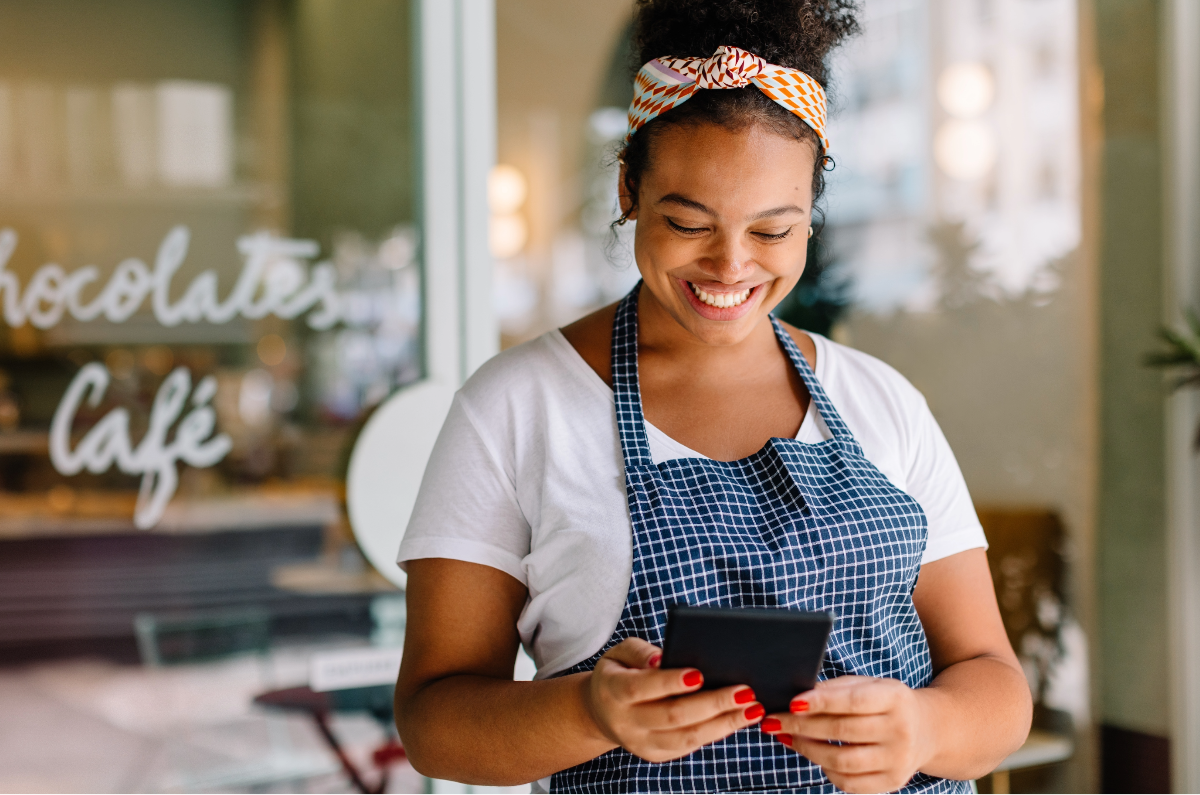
x=810, y=231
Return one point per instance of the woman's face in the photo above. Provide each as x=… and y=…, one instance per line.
x=722, y=225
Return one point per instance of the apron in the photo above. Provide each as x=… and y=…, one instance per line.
x=796, y=527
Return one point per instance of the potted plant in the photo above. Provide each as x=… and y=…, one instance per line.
x=1183, y=356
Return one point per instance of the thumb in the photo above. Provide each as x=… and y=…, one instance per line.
x=635, y=653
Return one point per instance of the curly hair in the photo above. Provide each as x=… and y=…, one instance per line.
x=794, y=33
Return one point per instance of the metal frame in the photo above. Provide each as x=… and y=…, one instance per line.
x=456, y=100
x=1181, y=179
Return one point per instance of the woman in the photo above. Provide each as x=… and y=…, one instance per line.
x=683, y=446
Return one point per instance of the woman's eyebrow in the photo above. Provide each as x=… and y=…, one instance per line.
x=692, y=204
x=683, y=201
x=778, y=211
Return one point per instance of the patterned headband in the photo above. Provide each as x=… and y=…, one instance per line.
x=666, y=82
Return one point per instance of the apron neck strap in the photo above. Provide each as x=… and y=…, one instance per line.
x=833, y=420
x=635, y=446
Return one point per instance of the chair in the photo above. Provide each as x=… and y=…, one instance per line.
x=1025, y=556
x=1040, y=748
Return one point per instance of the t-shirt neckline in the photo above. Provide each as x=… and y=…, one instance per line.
x=566, y=351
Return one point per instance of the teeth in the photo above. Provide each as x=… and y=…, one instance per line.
x=720, y=300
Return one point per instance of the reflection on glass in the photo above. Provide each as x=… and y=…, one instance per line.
x=954, y=214
x=209, y=276
x=132, y=191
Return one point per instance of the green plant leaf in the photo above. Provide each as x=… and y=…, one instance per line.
x=1184, y=349
x=1193, y=320
x=1172, y=359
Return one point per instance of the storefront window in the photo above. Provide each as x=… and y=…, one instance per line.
x=954, y=217
x=211, y=273
x=948, y=248
x=210, y=257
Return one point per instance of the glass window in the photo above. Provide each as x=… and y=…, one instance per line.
x=210, y=256
x=212, y=271
x=949, y=250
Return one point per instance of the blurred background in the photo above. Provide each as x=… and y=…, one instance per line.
x=230, y=230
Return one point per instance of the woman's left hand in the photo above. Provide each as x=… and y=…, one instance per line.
x=883, y=724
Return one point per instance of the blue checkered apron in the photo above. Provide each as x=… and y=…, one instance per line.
x=795, y=526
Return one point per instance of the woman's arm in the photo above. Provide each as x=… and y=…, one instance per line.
x=461, y=717
x=976, y=711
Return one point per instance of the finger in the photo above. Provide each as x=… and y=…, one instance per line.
x=860, y=696
x=837, y=683
x=635, y=653
x=689, y=710
x=637, y=685
x=847, y=728
x=675, y=743
x=845, y=759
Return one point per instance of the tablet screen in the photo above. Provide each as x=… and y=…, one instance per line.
x=776, y=652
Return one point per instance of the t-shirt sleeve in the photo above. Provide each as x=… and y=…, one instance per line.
x=936, y=482
x=466, y=508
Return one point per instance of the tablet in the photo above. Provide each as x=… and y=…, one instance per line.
x=777, y=652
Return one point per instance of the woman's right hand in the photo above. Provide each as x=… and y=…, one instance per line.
x=657, y=714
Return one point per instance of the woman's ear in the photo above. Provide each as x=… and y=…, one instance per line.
x=626, y=199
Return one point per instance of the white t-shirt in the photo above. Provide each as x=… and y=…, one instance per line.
x=527, y=477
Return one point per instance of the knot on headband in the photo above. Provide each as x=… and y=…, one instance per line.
x=728, y=67
x=666, y=82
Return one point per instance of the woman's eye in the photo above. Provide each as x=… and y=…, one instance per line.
x=687, y=230
x=774, y=235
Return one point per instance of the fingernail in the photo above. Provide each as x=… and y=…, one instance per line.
x=770, y=724
x=755, y=711
x=786, y=739
x=799, y=706
x=655, y=660
x=692, y=678
x=743, y=696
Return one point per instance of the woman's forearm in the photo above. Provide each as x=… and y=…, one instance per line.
x=977, y=712
x=486, y=731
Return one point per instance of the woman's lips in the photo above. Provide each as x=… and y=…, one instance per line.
x=710, y=312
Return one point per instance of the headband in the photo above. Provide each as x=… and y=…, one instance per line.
x=666, y=82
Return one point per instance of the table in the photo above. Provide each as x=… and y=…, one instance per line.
x=376, y=700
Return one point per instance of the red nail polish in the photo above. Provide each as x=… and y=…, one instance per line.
x=786, y=739
x=655, y=660
x=754, y=712
x=744, y=696
x=692, y=678
x=799, y=706
x=770, y=724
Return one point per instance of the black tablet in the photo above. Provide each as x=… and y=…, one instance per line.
x=776, y=652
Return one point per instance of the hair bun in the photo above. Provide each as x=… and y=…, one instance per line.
x=795, y=33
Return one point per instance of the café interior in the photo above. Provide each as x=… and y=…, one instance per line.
x=250, y=248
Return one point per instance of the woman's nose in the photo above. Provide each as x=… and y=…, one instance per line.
x=729, y=258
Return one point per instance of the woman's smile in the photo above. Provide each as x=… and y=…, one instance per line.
x=715, y=301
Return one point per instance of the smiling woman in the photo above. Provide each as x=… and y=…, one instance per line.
x=685, y=447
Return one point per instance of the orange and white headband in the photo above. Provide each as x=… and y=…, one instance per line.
x=666, y=82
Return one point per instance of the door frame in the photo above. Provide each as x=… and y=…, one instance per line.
x=1181, y=181
x=455, y=68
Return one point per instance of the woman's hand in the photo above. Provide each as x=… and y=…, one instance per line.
x=657, y=714
x=883, y=724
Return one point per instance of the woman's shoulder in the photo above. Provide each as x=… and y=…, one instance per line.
x=591, y=337
x=514, y=369
x=526, y=378
x=869, y=387
x=849, y=373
